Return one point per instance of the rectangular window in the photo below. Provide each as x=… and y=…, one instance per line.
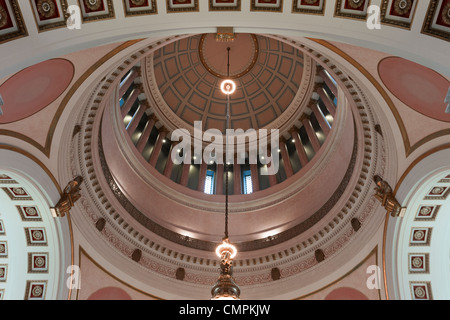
x=247, y=181
x=209, y=182
x=330, y=77
x=125, y=77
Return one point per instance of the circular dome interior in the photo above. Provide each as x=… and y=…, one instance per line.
x=188, y=73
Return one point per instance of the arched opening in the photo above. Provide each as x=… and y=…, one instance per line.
x=419, y=258
x=35, y=247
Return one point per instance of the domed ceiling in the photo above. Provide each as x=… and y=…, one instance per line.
x=268, y=74
x=148, y=206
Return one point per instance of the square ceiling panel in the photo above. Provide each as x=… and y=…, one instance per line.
x=35, y=290
x=12, y=25
x=399, y=13
x=92, y=10
x=49, y=14
x=354, y=9
x=182, y=5
x=437, y=20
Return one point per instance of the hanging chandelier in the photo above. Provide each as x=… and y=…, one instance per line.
x=226, y=288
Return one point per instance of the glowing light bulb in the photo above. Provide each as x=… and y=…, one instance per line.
x=228, y=87
x=226, y=247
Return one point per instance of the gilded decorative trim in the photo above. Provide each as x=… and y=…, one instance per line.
x=254, y=7
x=22, y=29
x=194, y=8
x=395, y=23
x=385, y=95
x=427, y=27
x=220, y=76
x=416, y=161
x=49, y=26
x=340, y=14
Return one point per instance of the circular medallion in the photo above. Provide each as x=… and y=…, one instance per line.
x=402, y=7
x=93, y=4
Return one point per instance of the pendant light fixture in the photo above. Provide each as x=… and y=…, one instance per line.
x=226, y=288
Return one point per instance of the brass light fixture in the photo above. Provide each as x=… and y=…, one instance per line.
x=226, y=288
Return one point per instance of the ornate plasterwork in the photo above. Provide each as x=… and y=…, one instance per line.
x=139, y=7
x=182, y=6
x=398, y=12
x=93, y=10
x=354, y=9
x=234, y=5
x=333, y=237
x=266, y=6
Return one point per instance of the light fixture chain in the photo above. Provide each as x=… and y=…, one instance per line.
x=226, y=149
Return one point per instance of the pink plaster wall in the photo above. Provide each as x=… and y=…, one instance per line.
x=36, y=126
x=418, y=126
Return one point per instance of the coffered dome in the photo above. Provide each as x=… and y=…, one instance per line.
x=184, y=78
